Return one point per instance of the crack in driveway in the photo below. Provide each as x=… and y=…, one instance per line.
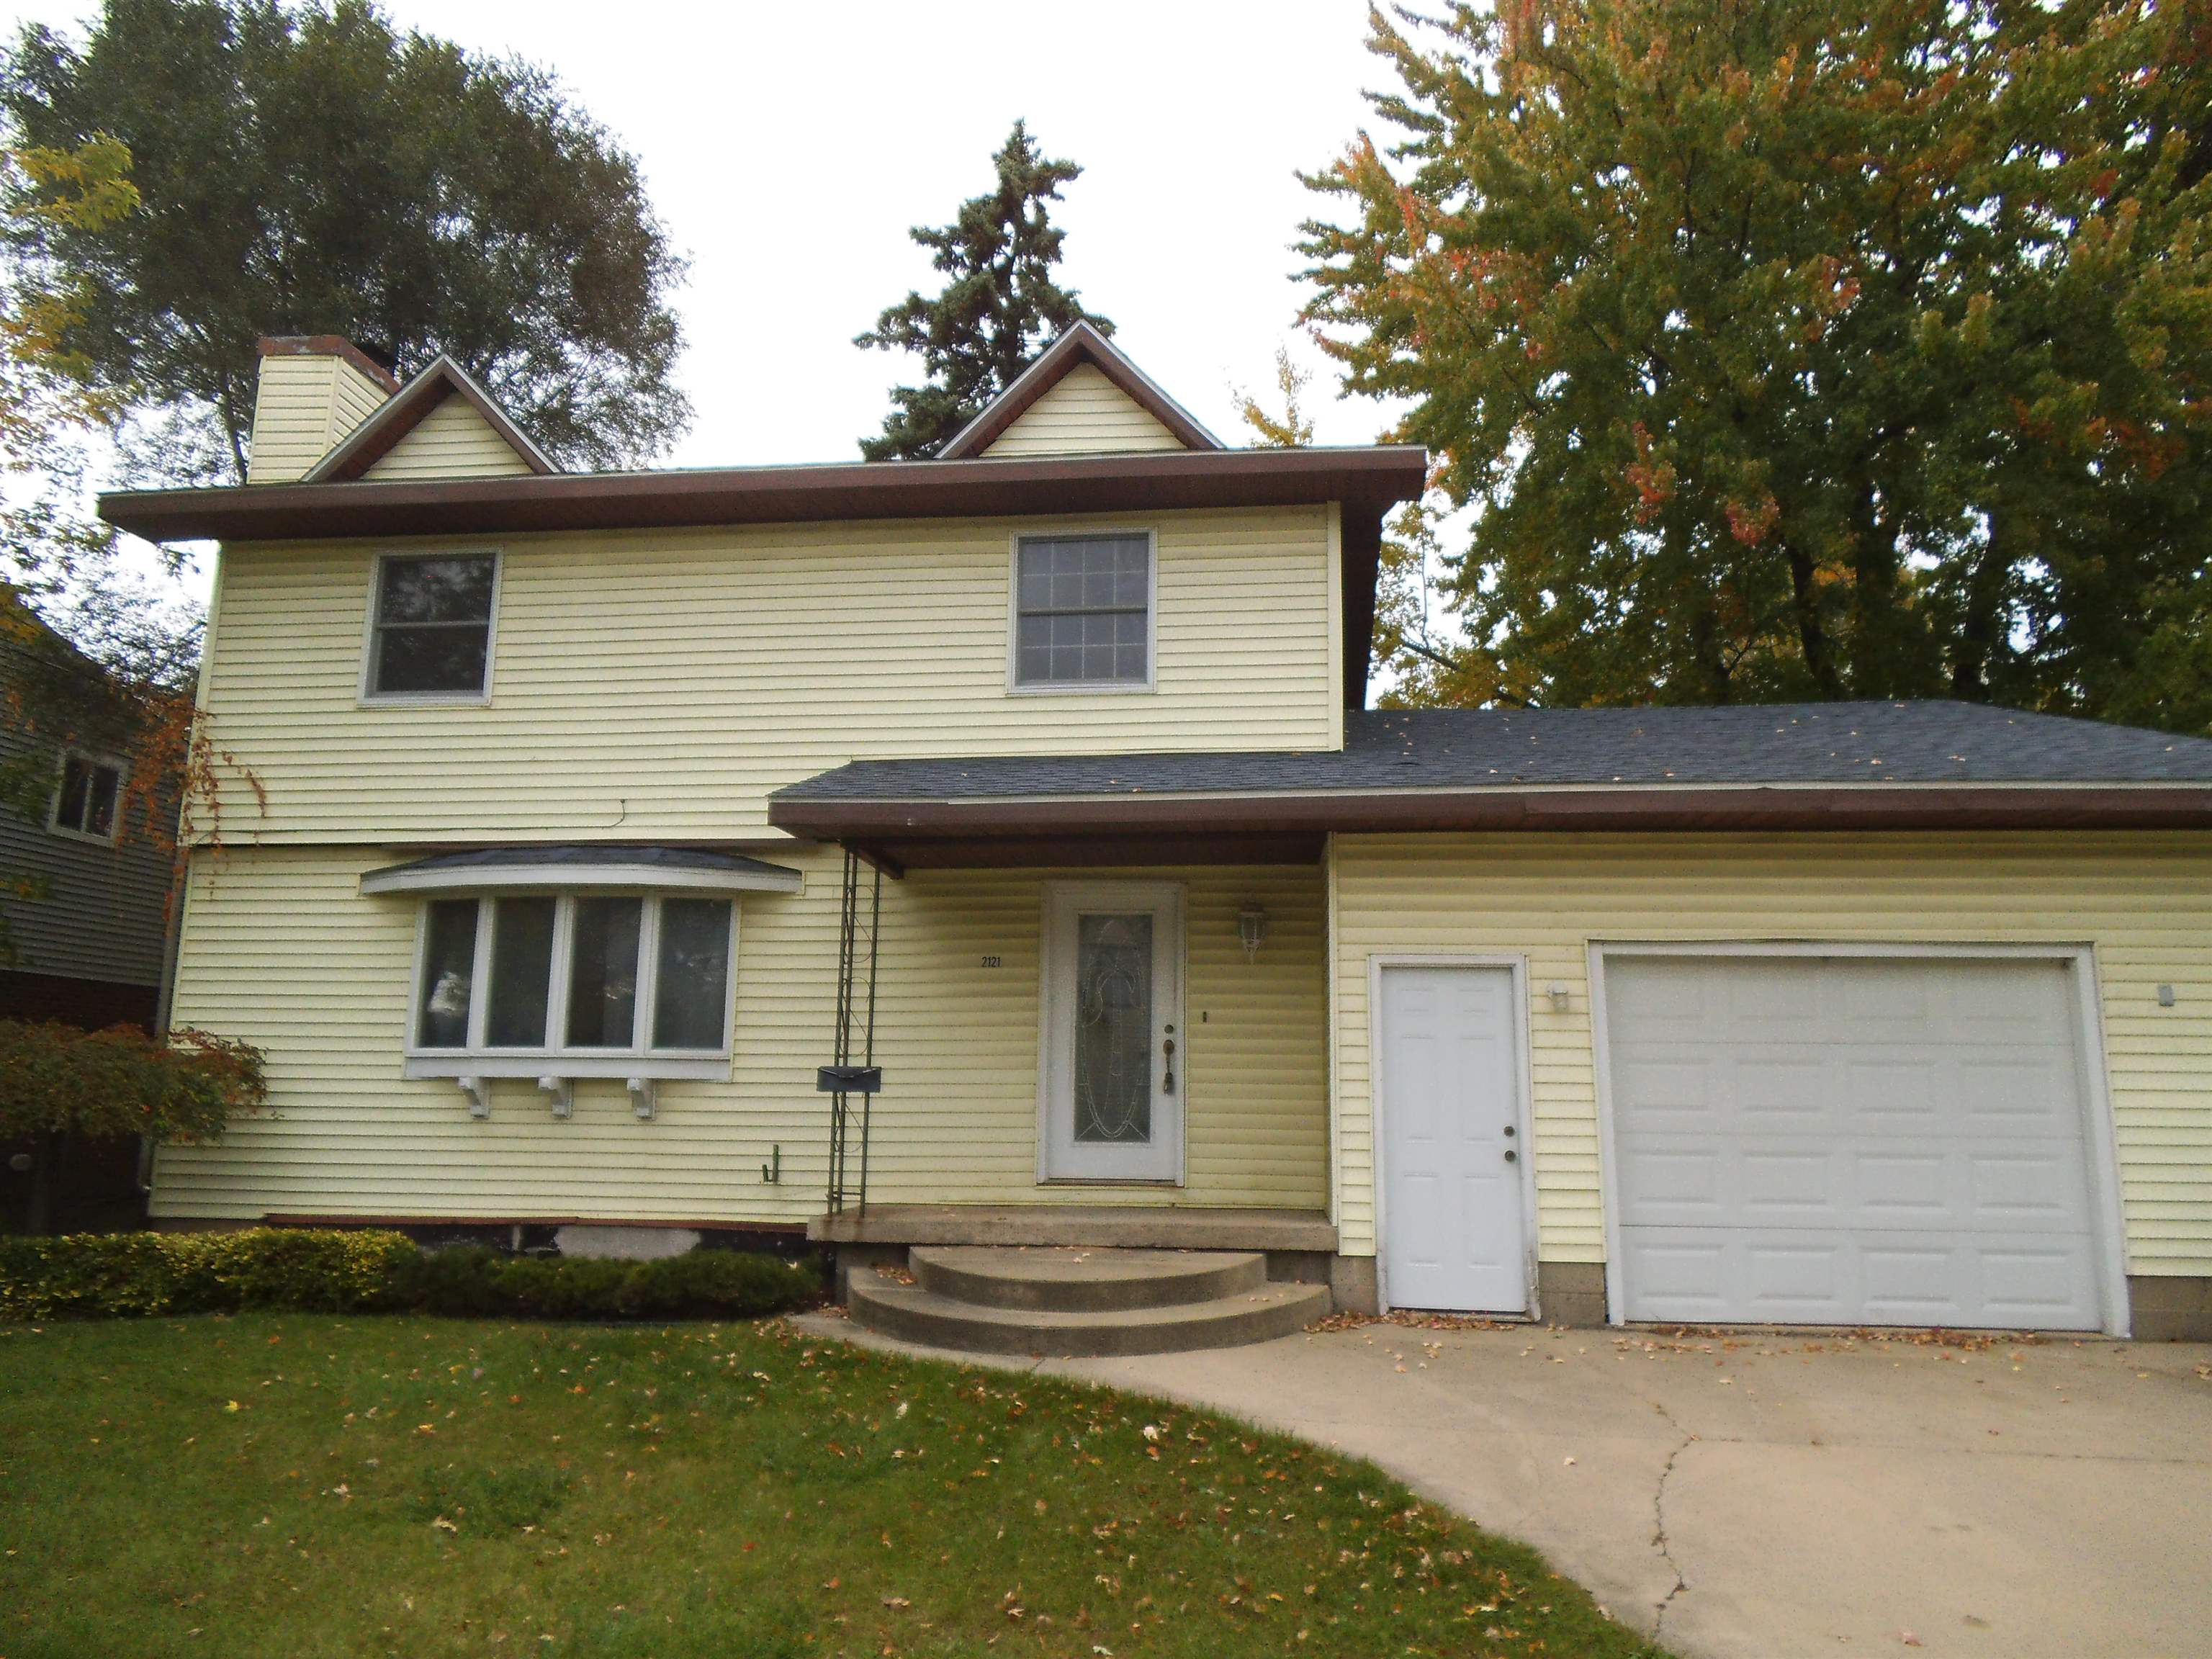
x=1659, y=1522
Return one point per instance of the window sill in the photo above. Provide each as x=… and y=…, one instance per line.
x=455, y=1063
x=1084, y=689
x=425, y=700
x=85, y=835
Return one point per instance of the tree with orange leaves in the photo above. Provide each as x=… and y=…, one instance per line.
x=1790, y=350
x=89, y=657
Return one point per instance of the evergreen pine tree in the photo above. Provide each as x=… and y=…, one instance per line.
x=998, y=309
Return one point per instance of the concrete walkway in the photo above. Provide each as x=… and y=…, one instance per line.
x=1753, y=1497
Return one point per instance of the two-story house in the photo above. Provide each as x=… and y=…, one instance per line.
x=589, y=816
x=85, y=878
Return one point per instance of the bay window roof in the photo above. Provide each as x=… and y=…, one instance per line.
x=590, y=868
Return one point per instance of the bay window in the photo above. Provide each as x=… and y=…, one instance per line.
x=573, y=983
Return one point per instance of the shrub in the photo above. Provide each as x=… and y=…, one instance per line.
x=563, y=1288
x=104, y=1276
x=309, y=1271
x=734, y=1284
x=56, y=1079
x=456, y=1281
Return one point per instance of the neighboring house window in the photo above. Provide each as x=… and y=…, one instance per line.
x=430, y=636
x=1083, y=610
x=87, y=802
x=579, y=975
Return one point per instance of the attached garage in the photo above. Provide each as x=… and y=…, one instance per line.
x=1807, y=1136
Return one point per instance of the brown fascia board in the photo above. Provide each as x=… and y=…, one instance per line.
x=328, y=345
x=1936, y=806
x=1081, y=344
x=377, y=436
x=1369, y=480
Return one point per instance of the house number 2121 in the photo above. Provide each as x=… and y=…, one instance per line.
x=993, y=962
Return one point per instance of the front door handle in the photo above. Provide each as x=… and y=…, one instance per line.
x=1167, y=1082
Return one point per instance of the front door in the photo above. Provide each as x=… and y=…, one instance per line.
x=1454, y=1226
x=1113, y=1038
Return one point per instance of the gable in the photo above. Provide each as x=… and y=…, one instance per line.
x=1085, y=414
x=454, y=441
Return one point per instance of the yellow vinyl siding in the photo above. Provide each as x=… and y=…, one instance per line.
x=452, y=442
x=661, y=683
x=1085, y=414
x=2142, y=900
x=306, y=404
x=279, y=948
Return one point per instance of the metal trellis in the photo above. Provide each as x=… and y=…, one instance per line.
x=852, y=1074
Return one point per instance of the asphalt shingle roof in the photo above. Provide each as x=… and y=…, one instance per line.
x=1805, y=744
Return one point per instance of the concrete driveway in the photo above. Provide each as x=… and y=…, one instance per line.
x=1759, y=1497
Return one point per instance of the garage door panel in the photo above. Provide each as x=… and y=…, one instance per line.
x=2028, y=1187
x=1839, y=1278
x=1849, y=1140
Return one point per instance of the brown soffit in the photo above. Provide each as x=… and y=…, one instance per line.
x=895, y=854
x=377, y=436
x=1369, y=481
x=329, y=345
x=1080, y=345
x=909, y=824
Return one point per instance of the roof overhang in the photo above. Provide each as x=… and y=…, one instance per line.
x=582, y=870
x=1281, y=827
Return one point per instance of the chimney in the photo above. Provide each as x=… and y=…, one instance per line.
x=313, y=389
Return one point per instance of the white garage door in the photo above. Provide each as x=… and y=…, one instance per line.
x=1849, y=1140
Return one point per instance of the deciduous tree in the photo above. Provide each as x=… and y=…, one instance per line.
x=1785, y=350
x=307, y=168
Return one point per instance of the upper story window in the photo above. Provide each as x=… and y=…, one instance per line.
x=1083, y=612
x=90, y=794
x=581, y=976
x=430, y=632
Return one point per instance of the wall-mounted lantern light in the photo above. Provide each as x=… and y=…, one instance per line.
x=1251, y=928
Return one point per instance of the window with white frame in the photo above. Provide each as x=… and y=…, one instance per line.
x=89, y=799
x=582, y=976
x=1083, y=610
x=430, y=628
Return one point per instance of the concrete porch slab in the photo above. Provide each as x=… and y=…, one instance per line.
x=1124, y=1226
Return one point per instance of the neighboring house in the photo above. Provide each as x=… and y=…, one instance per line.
x=86, y=945
x=88, y=948
x=602, y=809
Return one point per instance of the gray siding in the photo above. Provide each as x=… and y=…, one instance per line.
x=104, y=916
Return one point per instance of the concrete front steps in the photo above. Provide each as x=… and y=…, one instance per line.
x=1081, y=1302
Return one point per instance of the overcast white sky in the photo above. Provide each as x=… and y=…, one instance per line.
x=788, y=147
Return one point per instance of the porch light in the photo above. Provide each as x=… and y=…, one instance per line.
x=1251, y=928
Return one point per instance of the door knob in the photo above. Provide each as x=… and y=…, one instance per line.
x=1512, y=1157
x=1167, y=1083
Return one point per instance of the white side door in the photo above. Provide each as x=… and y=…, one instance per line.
x=1453, y=1145
x=1112, y=1060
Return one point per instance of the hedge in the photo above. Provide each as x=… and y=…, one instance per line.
x=96, y=1276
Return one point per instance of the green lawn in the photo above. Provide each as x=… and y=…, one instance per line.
x=301, y=1486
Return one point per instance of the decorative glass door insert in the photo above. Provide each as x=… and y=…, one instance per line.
x=1112, y=1099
